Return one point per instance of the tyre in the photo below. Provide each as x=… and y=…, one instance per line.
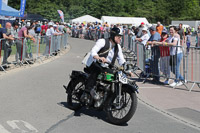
x=121, y=115
x=73, y=97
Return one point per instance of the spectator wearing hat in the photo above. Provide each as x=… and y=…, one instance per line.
x=50, y=32
x=139, y=34
x=69, y=29
x=159, y=28
x=145, y=37
x=155, y=37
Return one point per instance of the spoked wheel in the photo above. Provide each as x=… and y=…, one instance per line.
x=121, y=113
x=73, y=97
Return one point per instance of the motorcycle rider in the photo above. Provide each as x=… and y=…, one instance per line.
x=106, y=50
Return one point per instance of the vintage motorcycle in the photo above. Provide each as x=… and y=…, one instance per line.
x=117, y=94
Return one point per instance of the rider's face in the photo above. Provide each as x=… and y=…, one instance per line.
x=118, y=39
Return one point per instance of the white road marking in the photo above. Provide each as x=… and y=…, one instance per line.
x=13, y=125
x=149, y=87
x=3, y=130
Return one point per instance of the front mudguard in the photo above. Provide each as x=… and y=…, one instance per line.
x=74, y=76
x=132, y=87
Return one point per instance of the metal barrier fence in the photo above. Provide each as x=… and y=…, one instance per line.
x=90, y=34
x=157, y=62
x=141, y=56
x=192, y=66
x=25, y=51
x=125, y=41
x=198, y=40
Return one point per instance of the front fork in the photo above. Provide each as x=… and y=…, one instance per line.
x=118, y=95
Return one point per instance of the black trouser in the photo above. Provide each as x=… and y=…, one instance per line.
x=95, y=69
x=155, y=65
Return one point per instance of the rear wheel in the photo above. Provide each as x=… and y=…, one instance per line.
x=73, y=97
x=120, y=115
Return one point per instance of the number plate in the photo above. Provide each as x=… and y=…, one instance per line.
x=122, y=77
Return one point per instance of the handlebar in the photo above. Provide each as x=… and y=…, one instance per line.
x=115, y=67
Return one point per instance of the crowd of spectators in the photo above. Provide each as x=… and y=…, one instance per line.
x=151, y=37
x=14, y=34
x=166, y=51
x=163, y=42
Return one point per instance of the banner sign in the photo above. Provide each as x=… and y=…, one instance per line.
x=22, y=8
x=61, y=15
x=0, y=5
x=5, y=1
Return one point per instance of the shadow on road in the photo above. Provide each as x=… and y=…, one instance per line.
x=97, y=114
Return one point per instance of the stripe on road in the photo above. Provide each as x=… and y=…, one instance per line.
x=3, y=130
x=149, y=87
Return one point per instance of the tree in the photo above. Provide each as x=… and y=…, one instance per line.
x=154, y=10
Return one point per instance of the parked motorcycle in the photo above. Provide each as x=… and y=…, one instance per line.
x=117, y=94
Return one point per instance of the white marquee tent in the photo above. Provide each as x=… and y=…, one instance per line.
x=85, y=18
x=136, y=21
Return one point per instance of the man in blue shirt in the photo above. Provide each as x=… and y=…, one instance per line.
x=155, y=52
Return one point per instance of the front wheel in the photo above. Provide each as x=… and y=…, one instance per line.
x=128, y=104
x=73, y=97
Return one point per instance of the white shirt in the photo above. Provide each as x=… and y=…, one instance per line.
x=50, y=31
x=100, y=44
x=145, y=38
x=173, y=48
x=32, y=32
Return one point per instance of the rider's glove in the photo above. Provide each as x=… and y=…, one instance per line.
x=125, y=66
x=111, y=66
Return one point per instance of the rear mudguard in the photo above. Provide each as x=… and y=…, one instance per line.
x=75, y=75
x=78, y=74
x=133, y=87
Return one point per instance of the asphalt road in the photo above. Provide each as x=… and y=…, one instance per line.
x=32, y=100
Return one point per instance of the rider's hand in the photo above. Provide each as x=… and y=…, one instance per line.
x=102, y=59
x=131, y=74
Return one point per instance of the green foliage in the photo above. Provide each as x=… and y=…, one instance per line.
x=154, y=10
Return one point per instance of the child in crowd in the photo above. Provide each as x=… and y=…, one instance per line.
x=188, y=41
x=164, y=57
